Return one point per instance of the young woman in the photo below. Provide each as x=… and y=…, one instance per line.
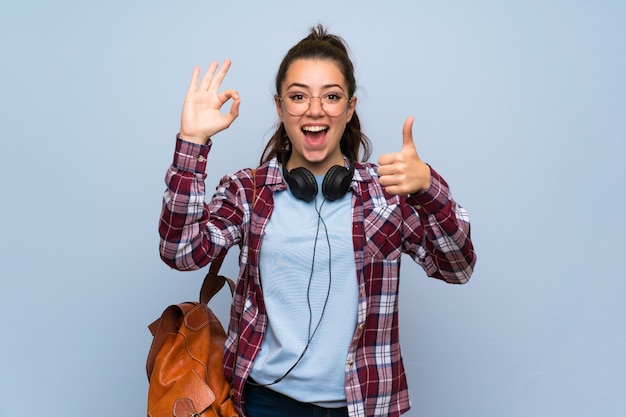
x=314, y=326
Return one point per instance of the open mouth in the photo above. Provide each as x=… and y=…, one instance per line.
x=314, y=133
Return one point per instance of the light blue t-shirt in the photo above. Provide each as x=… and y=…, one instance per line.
x=297, y=264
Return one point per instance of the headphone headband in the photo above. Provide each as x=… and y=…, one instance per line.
x=303, y=185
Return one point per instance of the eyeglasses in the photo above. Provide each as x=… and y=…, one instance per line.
x=333, y=104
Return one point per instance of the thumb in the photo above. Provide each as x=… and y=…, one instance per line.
x=407, y=134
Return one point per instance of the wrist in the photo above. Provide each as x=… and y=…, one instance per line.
x=191, y=138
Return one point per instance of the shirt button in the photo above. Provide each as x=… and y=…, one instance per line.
x=201, y=158
x=418, y=206
x=361, y=326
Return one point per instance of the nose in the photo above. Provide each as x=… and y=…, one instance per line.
x=315, y=106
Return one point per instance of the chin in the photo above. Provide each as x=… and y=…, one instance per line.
x=315, y=157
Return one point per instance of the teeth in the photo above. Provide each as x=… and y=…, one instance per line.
x=314, y=128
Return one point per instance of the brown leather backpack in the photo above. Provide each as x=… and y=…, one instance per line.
x=185, y=362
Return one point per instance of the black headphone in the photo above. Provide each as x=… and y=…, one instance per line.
x=303, y=185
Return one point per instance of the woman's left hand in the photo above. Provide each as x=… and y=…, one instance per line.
x=201, y=117
x=404, y=172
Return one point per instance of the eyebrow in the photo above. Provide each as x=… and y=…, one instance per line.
x=324, y=87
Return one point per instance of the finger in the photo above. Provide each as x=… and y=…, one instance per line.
x=395, y=190
x=232, y=114
x=193, y=84
x=407, y=133
x=219, y=77
x=388, y=181
x=226, y=95
x=206, y=80
x=386, y=159
x=234, y=111
x=385, y=180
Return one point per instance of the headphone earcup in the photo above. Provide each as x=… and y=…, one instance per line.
x=302, y=183
x=336, y=182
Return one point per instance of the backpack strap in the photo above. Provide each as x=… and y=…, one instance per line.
x=214, y=282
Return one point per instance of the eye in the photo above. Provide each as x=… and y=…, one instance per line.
x=297, y=97
x=333, y=97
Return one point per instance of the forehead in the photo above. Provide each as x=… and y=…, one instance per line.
x=314, y=73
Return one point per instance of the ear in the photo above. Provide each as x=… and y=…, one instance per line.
x=279, y=107
x=351, y=108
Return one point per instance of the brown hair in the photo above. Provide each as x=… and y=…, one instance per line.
x=319, y=44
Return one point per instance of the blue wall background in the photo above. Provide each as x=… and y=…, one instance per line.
x=519, y=104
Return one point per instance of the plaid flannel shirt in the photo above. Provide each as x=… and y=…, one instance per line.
x=431, y=228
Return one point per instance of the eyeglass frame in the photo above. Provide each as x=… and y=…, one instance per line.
x=349, y=100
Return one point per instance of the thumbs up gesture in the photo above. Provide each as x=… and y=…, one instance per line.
x=404, y=172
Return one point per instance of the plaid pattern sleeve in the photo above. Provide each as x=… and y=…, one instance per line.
x=444, y=248
x=192, y=232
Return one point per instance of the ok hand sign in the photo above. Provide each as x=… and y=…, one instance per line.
x=404, y=172
x=201, y=116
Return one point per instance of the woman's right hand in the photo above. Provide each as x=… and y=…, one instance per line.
x=201, y=117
